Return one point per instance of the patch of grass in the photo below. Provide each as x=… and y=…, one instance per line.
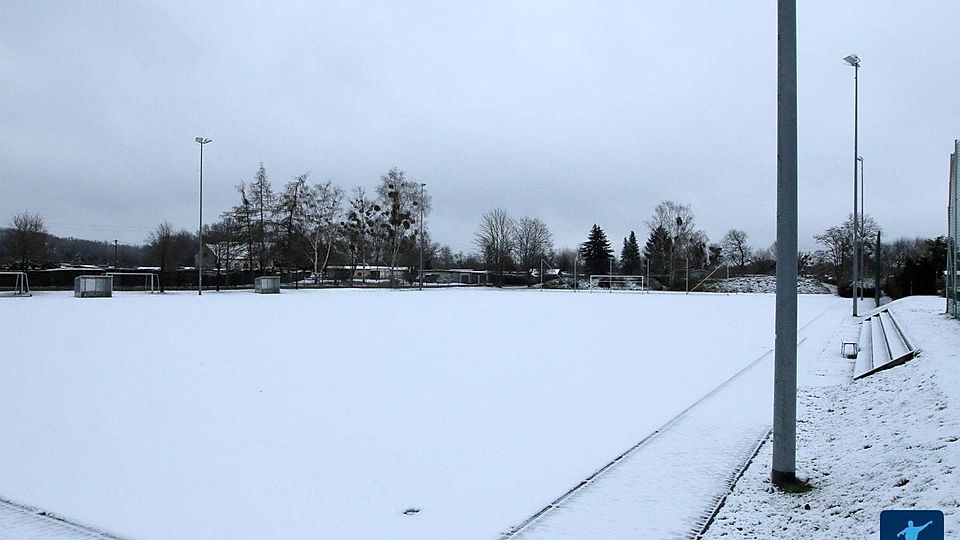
x=796, y=486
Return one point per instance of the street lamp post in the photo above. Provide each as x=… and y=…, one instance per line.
x=863, y=226
x=854, y=61
x=202, y=142
x=422, y=185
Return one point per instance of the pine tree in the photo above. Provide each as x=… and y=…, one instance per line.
x=596, y=252
x=263, y=205
x=657, y=250
x=630, y=256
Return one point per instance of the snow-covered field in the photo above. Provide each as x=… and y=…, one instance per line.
x=326, y=414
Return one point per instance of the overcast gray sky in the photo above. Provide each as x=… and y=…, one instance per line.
x=574, y=112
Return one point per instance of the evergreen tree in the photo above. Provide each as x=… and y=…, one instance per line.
x=596, y=252
x=657, y=250
x=630, y=256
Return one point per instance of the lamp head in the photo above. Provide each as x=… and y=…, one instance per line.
x=201, y=140
x=853, y=60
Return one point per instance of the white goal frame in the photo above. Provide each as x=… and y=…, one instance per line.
x=149, y=280
x=612, y=280
x=21, y=286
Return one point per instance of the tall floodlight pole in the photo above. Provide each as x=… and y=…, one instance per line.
x=422, y=185
x=854, y=61
x=784, y=468
x=202, y=142
x=863, y=226
x=876, y=275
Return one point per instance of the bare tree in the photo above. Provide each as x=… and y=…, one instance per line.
x=224, y=240
x=403, y=202
x=361, y=227
x=162, y=243
x=532, y=241
x=291, y=211
x=764, y=260
x=322, y=209
x=686, y=241
x=838, y=241
x=27, y=240
x=495, y=240
x=735, y=248
x=243, y=214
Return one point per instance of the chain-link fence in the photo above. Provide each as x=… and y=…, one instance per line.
x=953, y=300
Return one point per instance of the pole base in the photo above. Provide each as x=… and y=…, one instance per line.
x=781, y=478
x=788, y=482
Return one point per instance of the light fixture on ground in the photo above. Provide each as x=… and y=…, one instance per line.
x=854, y=61
x=202, y=142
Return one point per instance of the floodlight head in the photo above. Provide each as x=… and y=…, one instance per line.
x=201, y=140
x=853, y=60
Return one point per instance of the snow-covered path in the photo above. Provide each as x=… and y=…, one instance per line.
x=669, y=486
x=664, y=488
x=22, y=523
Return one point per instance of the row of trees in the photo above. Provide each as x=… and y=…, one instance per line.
x=674, y=242
x=313, y=225
x=505, y=243
x=306, y=225
x=26, y=244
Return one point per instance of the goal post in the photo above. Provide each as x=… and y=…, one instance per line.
x=619, y=282
x=20, y=284
x=150, y=283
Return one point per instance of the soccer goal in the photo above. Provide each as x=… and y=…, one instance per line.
x=132, y=281
x=20, y=284
x=618, y=282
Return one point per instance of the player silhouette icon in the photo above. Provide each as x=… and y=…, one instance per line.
x=911, y=532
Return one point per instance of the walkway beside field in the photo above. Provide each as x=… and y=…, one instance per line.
x=670, y=485
x=24, y=523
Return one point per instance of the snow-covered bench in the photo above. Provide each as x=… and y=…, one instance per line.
x=883, y=344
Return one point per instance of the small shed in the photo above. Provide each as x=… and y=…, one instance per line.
x=93, y=286
x=267, y=285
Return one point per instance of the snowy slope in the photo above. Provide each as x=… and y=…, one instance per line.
x=763, y=284
x=326, y=414
x=888, y=441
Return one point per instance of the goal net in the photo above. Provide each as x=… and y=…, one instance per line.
x=617, y=282
x=14, y=283
x=134, y=281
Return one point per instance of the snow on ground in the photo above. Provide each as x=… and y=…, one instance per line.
x=326, y=414
x=668, y=487
x=763, y=284
x=888, y=441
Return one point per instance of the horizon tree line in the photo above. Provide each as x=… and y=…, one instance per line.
x=311, y=226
